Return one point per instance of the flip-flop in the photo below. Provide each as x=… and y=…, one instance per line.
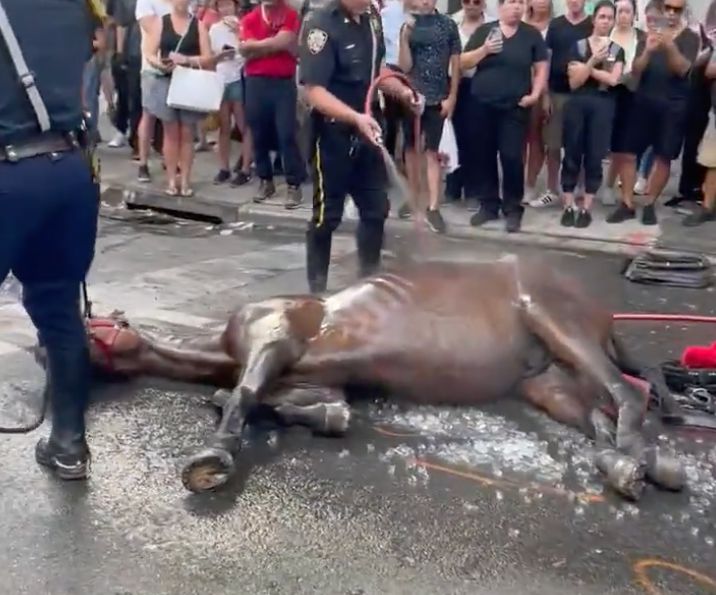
x=186, y=192
x=171, y=192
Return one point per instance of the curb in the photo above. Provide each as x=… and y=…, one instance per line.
x=234, y=212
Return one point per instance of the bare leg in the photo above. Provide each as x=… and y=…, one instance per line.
x=186, y=155
x=170, y=149
x=627, y=172
x=247, y=146
x=433, y=164
x=658, y=178
x=224, y=135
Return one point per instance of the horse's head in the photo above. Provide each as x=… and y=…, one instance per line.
x=113, y=344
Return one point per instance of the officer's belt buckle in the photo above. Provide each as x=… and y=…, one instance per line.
x=9, y=153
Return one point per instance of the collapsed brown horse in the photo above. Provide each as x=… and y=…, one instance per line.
x=433, y=333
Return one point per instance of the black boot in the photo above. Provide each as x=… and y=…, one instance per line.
x=369, y=238
x=66, y=451
x=318, y=258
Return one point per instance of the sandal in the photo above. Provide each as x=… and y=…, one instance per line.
x=186, y=192
x=171, y=192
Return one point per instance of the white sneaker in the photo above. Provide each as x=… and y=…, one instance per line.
x=640, y=186
x=118, y=141
x=529, y=196
x=546, y=199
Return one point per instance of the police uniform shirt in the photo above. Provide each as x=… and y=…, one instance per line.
x=336, y=52
x=55, y=37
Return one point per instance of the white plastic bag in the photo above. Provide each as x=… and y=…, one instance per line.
x=448, y=148
x=195, y=90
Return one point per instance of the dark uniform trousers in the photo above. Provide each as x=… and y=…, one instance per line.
x=48, y=225
x=342, y=163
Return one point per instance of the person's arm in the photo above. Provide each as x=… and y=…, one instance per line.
x=317, y=64
x=609, y=78
x=680, y=57
x=477, y=49
x=150, y=45
x=405, y=56
x=540, y=66
x=284, y=41
x=448, y=105
x=578, y=71
x=641, y=61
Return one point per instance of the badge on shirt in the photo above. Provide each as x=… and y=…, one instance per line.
x=316, y=40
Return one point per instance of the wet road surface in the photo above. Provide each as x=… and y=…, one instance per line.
x=415, y=500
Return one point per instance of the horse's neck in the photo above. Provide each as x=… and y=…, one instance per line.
x=189, y=361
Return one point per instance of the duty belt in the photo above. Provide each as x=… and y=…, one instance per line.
x=44, y=144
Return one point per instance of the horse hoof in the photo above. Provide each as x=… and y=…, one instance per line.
x=337, y=419
x=220, y=398
x=664, y=470
x=207, y=470
x=624, y=474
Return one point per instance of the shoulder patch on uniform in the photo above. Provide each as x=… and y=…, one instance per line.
x=316, y=40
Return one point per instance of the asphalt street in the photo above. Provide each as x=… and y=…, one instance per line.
x=414, y=500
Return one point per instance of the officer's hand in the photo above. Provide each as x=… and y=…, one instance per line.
x=369, y=128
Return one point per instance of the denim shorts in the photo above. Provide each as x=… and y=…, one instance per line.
x=234, y=91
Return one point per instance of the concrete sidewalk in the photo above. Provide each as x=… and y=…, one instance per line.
x=540, y=226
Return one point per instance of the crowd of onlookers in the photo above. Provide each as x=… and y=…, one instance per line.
x=603, y=102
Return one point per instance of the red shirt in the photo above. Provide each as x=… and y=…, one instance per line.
x=259, y=24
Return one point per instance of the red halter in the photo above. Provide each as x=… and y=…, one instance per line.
x=106, y=346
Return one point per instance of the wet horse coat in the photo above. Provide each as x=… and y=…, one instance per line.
x=431, y=333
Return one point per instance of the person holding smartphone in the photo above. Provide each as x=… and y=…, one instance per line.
x=510, y=61
x=594, y=69
x=224, y=41
x=663, y=64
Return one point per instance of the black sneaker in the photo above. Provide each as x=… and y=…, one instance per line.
x=224, y=175
x=435, y=220
x=568, y=217
x=513, y=222
x=620, y=214
x=143, y=174
x=648, y=215
x=240, y=179
x=584, y=218
x=405, y=211
x=698, y=216
x=294, y=197
x=66, y=465
x=266, y=190
x=482, y=217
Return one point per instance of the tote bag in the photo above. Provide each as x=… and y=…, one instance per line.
x=195, y=90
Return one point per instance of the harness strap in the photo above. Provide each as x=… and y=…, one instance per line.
x=106, y=346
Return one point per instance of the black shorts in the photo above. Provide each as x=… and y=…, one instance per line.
x=623, y=108
x=431, y=127
x=659, y=123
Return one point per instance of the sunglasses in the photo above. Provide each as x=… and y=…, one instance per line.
x=472, y=2
x=672, y=8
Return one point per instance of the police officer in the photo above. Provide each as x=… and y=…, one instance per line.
x=49, y=200
x=341, y=52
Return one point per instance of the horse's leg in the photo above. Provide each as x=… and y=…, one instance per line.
x=556, y=392
x=271, y=347
x=324, y=410
x=572, y=345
